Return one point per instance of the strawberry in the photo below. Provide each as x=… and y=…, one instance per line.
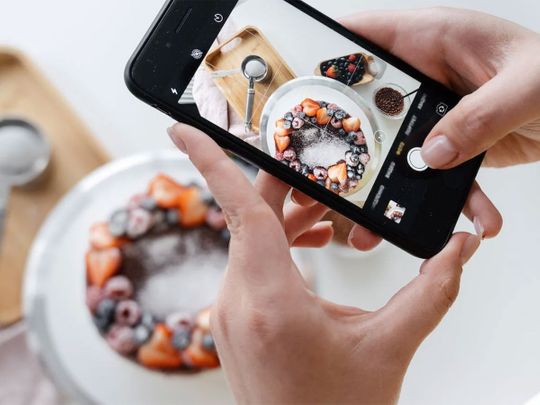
x=322, y=116
x=283, y=127
x=351, y=68
x=351, y=124
x=196, y=356
x=159, y=353
x=338, y=173
x=203, y=320
x=165, y=191
x=101, y=265
x=311, y=107
x=352, y=58
x=193, y=210
x=332, y=72
x=101, y=237
x=282, y=142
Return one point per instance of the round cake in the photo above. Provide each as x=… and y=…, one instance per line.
x=153, y=270
x=324, y=143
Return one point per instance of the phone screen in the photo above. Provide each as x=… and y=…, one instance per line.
x=320, y=104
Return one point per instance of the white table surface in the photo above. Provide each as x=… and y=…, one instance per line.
x=488, y=348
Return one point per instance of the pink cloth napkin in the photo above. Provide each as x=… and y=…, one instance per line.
x=22, y=381
x=213, y=105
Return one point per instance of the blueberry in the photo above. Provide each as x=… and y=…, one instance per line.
x=287, y=124
x=351, y=137
x=285, y=162
x=105, y=314
x=330, y=112
x=323, y=104
x=148, y=203
x=313, y=120
x=118, y=223
x=340, y=114
x=304, y=170
x=226, y=235
x=208, y=343
x=173, y=217
x=296, y=165
x=301, y=114
x=181, y=339
x=351, y=174
x=141, y=335
x=356, y=150
x=207, y=197
x=148, y=321
x=335, y=187
x=321, y=183
x=289, y=116
x=342, y=132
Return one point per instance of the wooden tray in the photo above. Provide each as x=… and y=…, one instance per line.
x=25, y=93
x=368, y=77
x=229, y=56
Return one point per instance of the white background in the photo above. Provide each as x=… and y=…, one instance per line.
x=486, y=351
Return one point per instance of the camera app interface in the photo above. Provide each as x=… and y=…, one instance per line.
x=316, y=102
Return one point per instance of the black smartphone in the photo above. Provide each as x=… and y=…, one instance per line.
x=293, y=92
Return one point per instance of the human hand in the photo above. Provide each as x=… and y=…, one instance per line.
x=280, y=343
x=493, y=62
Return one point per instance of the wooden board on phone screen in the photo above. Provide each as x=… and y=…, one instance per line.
x=229, y=56
x=25, y=93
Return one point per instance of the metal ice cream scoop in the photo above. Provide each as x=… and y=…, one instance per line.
x=24, y=156
x=255, y=69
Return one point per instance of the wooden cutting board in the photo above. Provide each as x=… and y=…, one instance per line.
x=25, y=93
x=230, y=55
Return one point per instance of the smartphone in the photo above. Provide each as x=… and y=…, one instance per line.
x=296, y=94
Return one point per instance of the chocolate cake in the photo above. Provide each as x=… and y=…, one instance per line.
x=153, y=271
x=324, y=143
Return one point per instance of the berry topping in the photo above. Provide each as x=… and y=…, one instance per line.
x=140, y=222
x=338, y=173
x=351, y=124
x=297, y=123
x=181, y=339
x=322, y=116
x=102, y=238
x=122, y=339
x=208, y=343
x=196, y=356
x=141, y=334
x=282, y=142
x=360, y=138
x=101, y=265
x=192, y=209
x=320, y=173
x=283, y=127
x=165, y=191
x=215, y=219
x=352, y=159
x=128, y=313
x=352, y=58
x=289, y=154
x=159, y=352
x=336, y=123
x=351, y=68
x=94, y=295
x=180, y=320
x=310, y=107
x=105, y=313
x=365, y=158
x=118, y=223
x=118, y=288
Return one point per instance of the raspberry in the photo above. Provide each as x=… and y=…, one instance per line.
x=118, y=288
x=128, y=313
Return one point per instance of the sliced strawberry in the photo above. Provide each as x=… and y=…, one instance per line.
x=101, y=265
x=338, y=173
x=332, y=72
x=283, y=127
x=282, y=142
x=159, y=352
x=101, y=237
x=193, y=210
x=351, y=124
x=311, y=107
x=165, y=191
x=203, y=320
x=322, y=116
x=196, y=356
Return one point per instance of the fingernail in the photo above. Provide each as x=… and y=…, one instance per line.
x=439, y=152
x=350, y=241
x=324, y=224
x=479, y=228
x=176, y=139
x=293, y=199
x=469, y=248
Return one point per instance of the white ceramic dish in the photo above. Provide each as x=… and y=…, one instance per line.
x=331, y=91
x=60, y=328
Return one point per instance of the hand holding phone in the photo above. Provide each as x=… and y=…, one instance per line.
x=337, y=117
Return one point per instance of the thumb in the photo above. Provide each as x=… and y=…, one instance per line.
x=480, y=120
x=418, y=308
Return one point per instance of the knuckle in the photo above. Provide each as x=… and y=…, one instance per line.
x=447, y=292
x=477, y=119
x=257, y=214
